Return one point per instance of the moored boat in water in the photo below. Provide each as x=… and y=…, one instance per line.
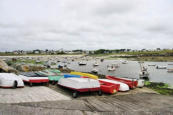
x=95, y=64
x=151, y=64
x=82, y=63
x=161, y=67
x=94, y=70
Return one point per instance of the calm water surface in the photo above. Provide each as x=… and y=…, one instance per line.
x=131, y=69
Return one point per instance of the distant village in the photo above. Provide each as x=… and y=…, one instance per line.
x=78, y=51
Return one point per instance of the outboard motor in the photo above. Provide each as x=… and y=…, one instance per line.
x=140, y=83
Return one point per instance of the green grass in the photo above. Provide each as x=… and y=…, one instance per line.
x=161, y=88
x=28, y=61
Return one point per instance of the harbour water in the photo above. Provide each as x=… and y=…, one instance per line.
x=131, y=69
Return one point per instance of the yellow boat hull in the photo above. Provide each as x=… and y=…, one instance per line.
x=85, y=74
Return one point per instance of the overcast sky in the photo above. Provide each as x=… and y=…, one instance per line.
x=85, y=24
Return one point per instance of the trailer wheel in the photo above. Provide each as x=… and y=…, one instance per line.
x=30, y=84
x=100, y=93
x=75, y=94
x=15, y=85
x=47, y=84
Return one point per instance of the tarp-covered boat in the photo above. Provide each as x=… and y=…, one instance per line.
x=132, y=83
x=53, y=75
x=32, y=77
x=80, y=85
x=10, y=80
x=85, y=74
x=122, y=86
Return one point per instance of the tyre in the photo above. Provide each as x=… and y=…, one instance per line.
x=30, y=84
x=47, y=84
x=75, y=94
x=100, y=93
x=15, y=85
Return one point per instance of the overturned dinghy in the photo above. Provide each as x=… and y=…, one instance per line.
x=80, y=85
x=71, y=76
x=123, y=86
x=85, y=74
x=10, y=80
x=53, y=75
x=32, y=77
x=132, y=83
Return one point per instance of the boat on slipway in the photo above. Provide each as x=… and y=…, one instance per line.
x=53, y=75
x=122, y=86
x=10, y=80
x=85, y=74
x=130, y=83
x=78, y=85
x=32, y=77
x=71, y=76
x=109, y=88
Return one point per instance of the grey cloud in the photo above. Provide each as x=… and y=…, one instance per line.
x=89, y=24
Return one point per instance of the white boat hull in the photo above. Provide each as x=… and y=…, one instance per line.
x=8, y=80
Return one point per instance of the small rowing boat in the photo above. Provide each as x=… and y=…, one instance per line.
x=122, y=87
x=161, y=67
x=132, y=83
x=85, y=74
x=109, y=88
x=32, y=77
x=82, y=63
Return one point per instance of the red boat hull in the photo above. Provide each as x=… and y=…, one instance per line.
x=37, y=81
x=132, y=84
x=108, y=87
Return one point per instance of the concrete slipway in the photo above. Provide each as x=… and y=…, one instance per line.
x=30, y=94
x=44, y=101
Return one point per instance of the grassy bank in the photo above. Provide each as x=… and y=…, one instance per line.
x=151, y=58
x=162, y=55
x=161, y=88
x=138, y=58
